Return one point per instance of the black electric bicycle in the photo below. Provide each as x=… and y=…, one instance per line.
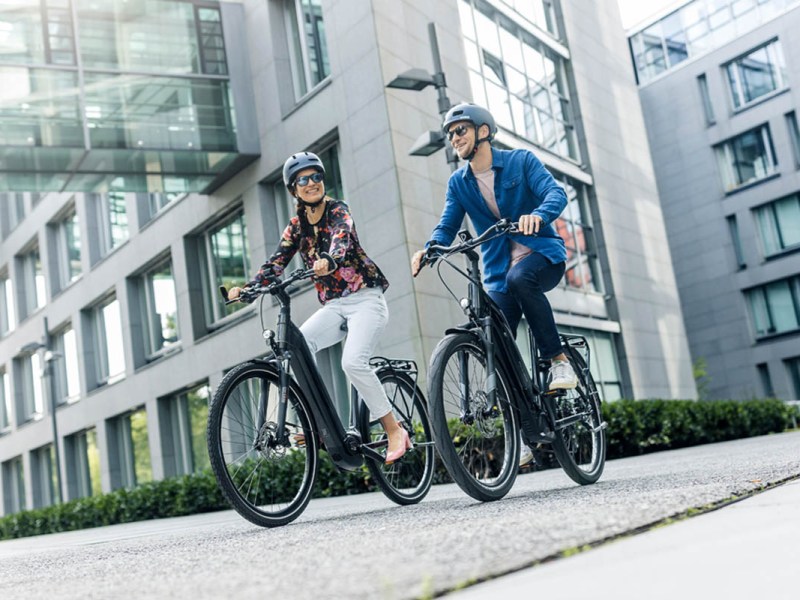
x=482, y=395
x=269, y=416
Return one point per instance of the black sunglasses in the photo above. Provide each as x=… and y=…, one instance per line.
x=303, y=181
x=459, y=131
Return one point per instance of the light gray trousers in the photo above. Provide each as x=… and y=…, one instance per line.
x=366, y=315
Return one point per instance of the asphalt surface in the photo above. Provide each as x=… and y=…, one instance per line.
x=366, y=547
x=747, y=550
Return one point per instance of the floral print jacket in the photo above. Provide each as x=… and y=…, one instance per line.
x=335, y=233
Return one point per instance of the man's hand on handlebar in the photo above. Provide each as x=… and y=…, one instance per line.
x=530, y=224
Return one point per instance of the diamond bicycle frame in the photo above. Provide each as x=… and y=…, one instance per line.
x=488, y=324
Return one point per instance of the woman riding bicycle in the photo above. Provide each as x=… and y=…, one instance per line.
x=349, y=285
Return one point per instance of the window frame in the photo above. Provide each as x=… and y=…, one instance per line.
x=13, y=476
x=6, y=404
x=760, y=308
x=106, y=227
x=297, y=41
x=150, y=318
x=216, y=313
x=31, y=276
x=66, y=275
x=733, y=75
x=766, y=215
x=65, y=362
x=8, y=313
x=728, y=162
x=102, y=366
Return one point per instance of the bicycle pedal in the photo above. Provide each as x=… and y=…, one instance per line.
x=555, y=393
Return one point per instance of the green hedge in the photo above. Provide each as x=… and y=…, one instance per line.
x=641, y=426
x=635, y=427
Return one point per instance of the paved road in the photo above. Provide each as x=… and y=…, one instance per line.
x=365, y=547
x=749, y=549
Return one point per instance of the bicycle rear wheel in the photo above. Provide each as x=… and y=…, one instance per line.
x=266, y=481
x=478, y=443
x=580, y=437
x=408, y=480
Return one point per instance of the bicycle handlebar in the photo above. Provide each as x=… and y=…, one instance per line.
x=435, y=251
x=249, y=295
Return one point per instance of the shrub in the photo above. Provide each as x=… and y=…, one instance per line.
x=641, y=426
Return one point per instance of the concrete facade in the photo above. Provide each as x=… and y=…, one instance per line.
x=396, y=200
x=696, y=207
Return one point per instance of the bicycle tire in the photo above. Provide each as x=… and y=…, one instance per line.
x=481, y=456
x=267, y=484
x=408, y=480
x=580, y=448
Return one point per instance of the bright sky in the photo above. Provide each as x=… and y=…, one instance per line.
x=635, y=11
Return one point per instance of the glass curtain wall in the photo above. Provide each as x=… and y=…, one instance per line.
x=696, y=28
x=518, y=78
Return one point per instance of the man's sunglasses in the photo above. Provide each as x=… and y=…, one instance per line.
x=303, y=181
x=458, y=130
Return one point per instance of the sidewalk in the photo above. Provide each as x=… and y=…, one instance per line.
x=750, y=549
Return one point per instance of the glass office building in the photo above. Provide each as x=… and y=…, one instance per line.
x=116, y=95
x=124, y=204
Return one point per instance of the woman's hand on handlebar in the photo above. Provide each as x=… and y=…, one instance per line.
x=322, y=266
x=234, y=292
x=416, y=262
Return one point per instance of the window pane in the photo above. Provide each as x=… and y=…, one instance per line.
x=5, y=400
x=787, y=215
x=197, y=401
x=230, y=261
x=781, y=306
x=161, y=306
x=747, y=157
x=70, y=362
x=759, y=313
x=141, y=446
x=93, y=459
x=8, y=318
x=37, y=406
x=316, y=44
x=759, y=73
x=113, y=338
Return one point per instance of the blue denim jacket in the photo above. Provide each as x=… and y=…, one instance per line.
x=522, y=185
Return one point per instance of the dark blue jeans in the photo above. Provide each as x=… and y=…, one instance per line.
x=527, y=282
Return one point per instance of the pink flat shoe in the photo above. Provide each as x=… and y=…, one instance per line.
x=398, y=454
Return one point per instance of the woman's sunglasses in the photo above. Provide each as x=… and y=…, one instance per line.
x=458, y=130
x=303, y=181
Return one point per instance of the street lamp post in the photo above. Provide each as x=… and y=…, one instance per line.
x=418, y=79
x=49, y=356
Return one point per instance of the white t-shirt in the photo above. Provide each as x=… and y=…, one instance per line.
x=486, y=186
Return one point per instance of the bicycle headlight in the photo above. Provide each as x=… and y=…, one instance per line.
x=464, y=302
x=268, y=334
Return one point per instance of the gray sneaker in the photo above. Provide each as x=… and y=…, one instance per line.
x=562, y=376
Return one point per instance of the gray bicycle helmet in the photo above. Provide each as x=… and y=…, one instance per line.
x=477, y=115
x=298, y=162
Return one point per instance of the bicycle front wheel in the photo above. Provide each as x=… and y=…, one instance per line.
x=580, y=437
x=477, y=440
x=267, y=477
x=408, y=480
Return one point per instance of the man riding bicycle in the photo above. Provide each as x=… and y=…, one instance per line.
x=518, y=268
